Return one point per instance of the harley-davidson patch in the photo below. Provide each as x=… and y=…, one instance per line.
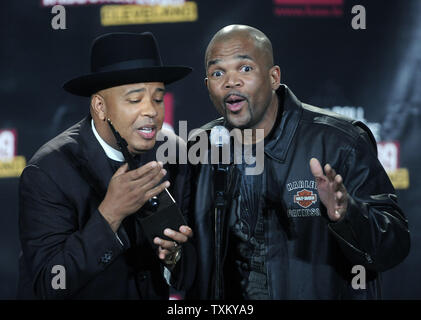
x=305, y=198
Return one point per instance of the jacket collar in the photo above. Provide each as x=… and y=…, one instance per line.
x=111, y=153
x=92, y=159
x=277, y=147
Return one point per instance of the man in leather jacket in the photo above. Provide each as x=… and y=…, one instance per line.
x=297, y=230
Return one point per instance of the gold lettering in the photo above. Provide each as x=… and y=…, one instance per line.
x=140, y=14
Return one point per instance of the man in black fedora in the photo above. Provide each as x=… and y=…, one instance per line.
x=80, y=203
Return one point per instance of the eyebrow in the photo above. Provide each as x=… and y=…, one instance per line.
x=238, y=57
x=142, y=90
x=134, y=91
x=244, y=57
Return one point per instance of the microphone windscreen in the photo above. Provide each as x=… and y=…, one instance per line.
x=219, y=136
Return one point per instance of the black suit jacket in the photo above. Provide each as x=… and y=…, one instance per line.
x=59, y=222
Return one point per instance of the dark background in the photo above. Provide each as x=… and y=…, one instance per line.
x=323, y=60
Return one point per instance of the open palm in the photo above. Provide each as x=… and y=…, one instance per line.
x=331, y=189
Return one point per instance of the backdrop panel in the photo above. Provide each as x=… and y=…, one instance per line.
x=372, y=74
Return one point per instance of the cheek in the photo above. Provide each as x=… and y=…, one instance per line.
x=219, y=106
x=213, y=90
x=263, y=90
x=160, y=114
x=118, y=118
x=124, y=120
x=216, y=99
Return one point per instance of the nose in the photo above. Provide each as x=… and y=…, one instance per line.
x=147, y=108
x=233, y=80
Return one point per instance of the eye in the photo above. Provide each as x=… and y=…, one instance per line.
x=246, y=68
x=134, y=101
x=159, y=100
x=217, y=74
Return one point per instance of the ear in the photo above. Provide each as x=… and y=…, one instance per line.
x=206, y=81
x=98, y=106
x=275, y=77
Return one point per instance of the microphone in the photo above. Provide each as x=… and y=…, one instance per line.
x=219, y=136
x=220, y=157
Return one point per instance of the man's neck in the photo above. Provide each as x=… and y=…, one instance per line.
x=111, y=152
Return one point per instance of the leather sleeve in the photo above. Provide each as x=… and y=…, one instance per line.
x=374, y=231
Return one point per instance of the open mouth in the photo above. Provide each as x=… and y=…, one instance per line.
x=234, y=103
x=147, y=132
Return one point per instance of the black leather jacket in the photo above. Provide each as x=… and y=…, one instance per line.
x=308, y=256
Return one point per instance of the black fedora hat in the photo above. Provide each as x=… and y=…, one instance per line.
x=124, y=58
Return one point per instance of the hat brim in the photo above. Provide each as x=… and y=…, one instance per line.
x=89, y=84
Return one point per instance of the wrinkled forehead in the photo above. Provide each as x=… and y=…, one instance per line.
x=225, y=47
x=127, y=89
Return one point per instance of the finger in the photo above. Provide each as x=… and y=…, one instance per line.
x=157, y=190
x=187, y=231
x=338, y=183
x=146, y=183
x=336, y=216
x=161, y=243
x=121, y=170
x=156, y=241
x=166, y=244
x=176, y=236
x=162, y=253
x=149, y=182
x=339, y=198
x=341, y=193
x=330, y=172
x=316, y=168
x=152, y=167
x=333, y=175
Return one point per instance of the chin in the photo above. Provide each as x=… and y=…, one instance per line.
x=144, y=146
x=239, y=123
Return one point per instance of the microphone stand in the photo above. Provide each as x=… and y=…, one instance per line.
x=220, y=178
x=219, y=140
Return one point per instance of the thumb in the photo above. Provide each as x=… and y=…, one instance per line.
x=121, y=170
x=316, y=168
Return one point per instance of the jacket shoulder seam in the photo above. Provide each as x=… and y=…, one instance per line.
x=331, y=119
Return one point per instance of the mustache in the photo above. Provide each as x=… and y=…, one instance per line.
x=235, y=93
x=150, y=123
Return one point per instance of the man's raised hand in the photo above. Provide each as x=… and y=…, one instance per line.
x=331, y=189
